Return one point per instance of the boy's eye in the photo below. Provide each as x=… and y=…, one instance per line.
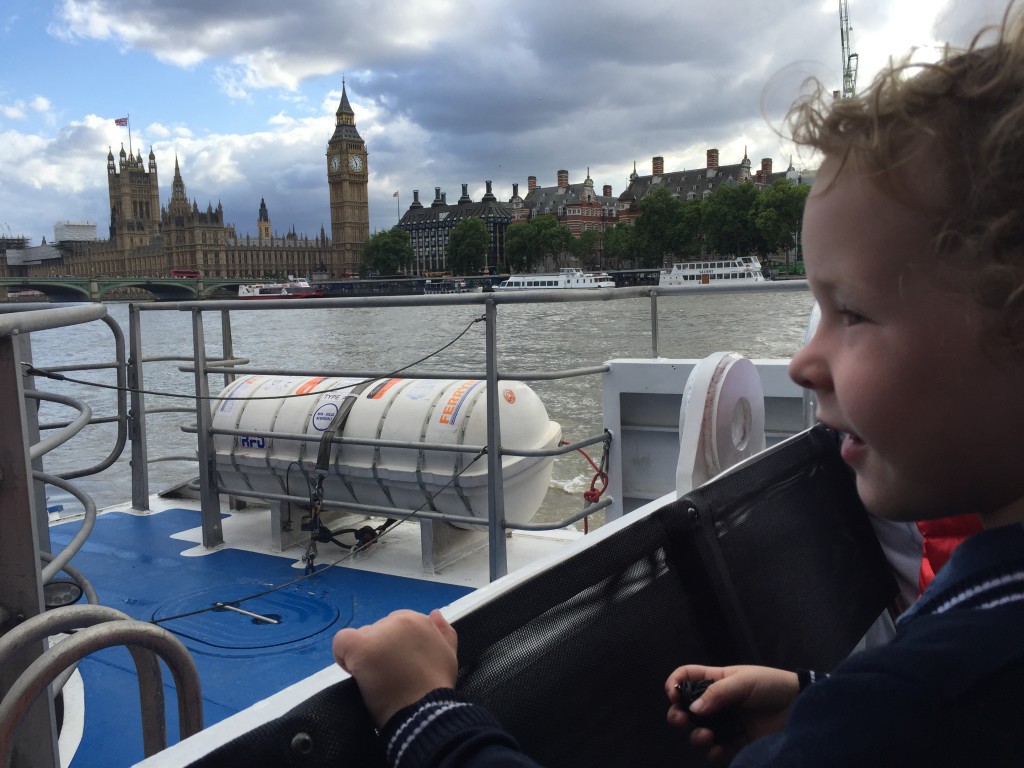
x=851, y=316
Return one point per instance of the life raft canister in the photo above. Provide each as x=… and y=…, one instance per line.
x=417, y=411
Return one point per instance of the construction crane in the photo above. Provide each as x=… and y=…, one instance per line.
x=849, y=58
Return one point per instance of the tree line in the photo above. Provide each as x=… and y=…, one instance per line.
x=735, y=220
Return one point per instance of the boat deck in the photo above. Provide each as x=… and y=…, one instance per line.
x=151, y=566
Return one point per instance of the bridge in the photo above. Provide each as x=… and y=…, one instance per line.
x=70, y=289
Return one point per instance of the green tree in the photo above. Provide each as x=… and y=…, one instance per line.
x=688, y=236
x=520, y=249
x=467, y=247
x=587, y=247
x=552, y=238
x=621, y=245
x=778, y=213
x=729, y=227
x=388, y=252
x=529, y=245
x=657, y=227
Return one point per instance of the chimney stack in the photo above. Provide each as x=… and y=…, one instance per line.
x=712, y=159
x=607, y=190
x=658, y=166
x=515, y=190
x=766, y=165
x=563, y=179
x=531, y=183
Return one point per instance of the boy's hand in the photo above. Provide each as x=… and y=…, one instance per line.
x=398, y=660
x=760, y=696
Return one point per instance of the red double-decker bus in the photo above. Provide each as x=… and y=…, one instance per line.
x=185, y=273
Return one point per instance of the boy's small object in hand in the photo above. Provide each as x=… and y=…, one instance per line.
x=726, y=725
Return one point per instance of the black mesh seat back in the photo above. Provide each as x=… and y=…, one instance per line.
x=775, y=563
x=574, y=662
x=798, y=568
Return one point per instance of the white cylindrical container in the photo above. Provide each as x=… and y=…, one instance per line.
x=416, y=411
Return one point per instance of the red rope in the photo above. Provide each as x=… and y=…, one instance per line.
x=593, y=495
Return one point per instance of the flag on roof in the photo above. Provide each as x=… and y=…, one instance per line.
x=395, y=195
x=122, y=121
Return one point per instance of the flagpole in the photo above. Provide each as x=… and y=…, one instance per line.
x=129, y=133
x=398, y=207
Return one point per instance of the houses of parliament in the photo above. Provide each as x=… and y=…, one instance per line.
x=149, y=240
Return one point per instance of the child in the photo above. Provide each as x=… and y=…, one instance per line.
x=914, y=248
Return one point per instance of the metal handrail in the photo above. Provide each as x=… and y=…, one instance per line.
x=145, y=642
x=37, y=320
x=88, y=522
x=70, y=430
x=202, y=366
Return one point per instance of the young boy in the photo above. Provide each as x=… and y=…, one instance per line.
x=914, y=248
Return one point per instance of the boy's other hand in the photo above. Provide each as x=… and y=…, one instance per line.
x=398, y=660
x=760, y=696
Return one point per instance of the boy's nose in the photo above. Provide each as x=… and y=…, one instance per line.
x=808, y=369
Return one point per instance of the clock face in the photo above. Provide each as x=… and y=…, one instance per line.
x=355, y=162
x=336, y=163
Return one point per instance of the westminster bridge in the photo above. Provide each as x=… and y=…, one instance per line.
x=72, y=289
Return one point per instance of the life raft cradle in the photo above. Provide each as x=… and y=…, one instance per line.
x=365, y=535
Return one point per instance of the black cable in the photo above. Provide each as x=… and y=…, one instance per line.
x=31, y=370
x=394, y=522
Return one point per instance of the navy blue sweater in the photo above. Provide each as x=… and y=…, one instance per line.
x=947, y=691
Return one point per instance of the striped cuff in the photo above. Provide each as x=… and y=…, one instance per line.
x=808, y=677
x=426, y=728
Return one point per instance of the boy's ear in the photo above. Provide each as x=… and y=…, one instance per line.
x=1006, y=335
x=1000, y=289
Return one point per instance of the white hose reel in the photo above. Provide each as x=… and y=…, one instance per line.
x=721, y=418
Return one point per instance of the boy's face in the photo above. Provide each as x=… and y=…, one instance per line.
x=933, y=410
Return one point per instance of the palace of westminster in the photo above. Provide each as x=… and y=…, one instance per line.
x=149, y=240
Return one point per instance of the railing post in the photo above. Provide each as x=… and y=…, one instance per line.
x=654, y=323
x=213, y=534
x=496, y=484
x=137, y=414
x=227, y=344
x=21, y=590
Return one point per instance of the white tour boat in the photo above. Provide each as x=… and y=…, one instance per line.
x=293, y=288
x=705, y=272
x=567, y=277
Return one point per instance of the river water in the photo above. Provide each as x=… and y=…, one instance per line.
x=530, y=338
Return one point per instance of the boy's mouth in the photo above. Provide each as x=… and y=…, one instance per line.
x=852, y=448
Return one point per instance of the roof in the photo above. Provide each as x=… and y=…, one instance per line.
x=485, y=209
x=33, y=255
x=543, y=200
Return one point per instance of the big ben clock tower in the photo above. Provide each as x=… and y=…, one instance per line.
x=347, y=180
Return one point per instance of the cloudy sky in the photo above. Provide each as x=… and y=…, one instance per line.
x=445, y=92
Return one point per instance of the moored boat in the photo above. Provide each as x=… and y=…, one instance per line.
x=292, y=288
x=705, y=272
x=567, y=277
x=438, y=285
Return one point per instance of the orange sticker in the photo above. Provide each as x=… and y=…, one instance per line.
x=377, y=392
x=308, y=387
x=509, y=395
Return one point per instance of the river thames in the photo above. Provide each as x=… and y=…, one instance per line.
x=530, y=337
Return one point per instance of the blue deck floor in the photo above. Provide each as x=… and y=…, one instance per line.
x=137, y=568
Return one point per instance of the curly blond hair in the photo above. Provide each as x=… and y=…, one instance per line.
x=964, y=117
